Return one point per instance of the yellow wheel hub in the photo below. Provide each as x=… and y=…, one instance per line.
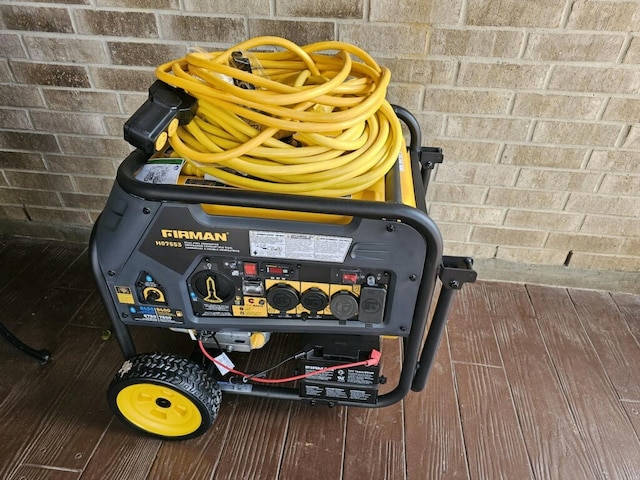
x=159, y=409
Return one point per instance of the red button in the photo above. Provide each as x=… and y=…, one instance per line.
x=251, y=269
x=349, y=278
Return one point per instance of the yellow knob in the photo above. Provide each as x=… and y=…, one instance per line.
x=257, y=340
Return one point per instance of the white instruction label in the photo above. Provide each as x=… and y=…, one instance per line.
x=222, y=362
x=299, y=246
x=161, y=170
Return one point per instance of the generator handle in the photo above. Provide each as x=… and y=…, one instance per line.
x=415, y=134
x=192, y=194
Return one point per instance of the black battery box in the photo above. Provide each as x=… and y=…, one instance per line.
x=350, y=383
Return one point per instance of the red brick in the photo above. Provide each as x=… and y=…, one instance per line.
x=36, y=19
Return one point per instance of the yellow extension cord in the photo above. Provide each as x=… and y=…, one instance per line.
x=347, y=135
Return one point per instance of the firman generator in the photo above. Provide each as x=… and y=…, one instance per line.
x=273, y=192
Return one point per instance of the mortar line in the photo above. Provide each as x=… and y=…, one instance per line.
x=603, y=108
x=625, y=48
x=623, y=135
x=525, y=44
x=464, y=9
x=566, y=13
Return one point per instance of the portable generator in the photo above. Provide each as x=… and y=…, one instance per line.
x=231, y=267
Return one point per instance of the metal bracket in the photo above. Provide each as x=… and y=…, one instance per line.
x=456, y=271
x=428, y=157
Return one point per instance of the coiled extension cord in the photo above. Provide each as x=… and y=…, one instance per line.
x=306, y=120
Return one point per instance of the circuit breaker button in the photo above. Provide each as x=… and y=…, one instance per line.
x=255, y=289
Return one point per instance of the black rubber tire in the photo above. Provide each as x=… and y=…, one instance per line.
x=153, y=372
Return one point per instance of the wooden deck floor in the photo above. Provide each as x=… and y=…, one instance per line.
x=531, y=382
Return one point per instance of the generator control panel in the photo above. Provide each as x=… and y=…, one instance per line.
x=241, y=287
x=193, y=270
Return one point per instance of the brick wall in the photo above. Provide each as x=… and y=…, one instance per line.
x=535, y=103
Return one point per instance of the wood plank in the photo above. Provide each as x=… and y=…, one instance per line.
x=17, y=255
x=38, y=323
x=374, y=443
x=71, y=425
x=48, y=268
x=629, y=306
x=29, y=287
x=26, y=409
x=433, y=433
x=507, y=300
x=75, y=421
x=32, y=472
x=470, y=330
x=123, y=453
x=14, y=366
x=633, y=411
x=196, y=458
x=610, y=335
x=92, y=314
x=78, y=276
x=254, y=447
x=47, y=315
x=601, y=420
x=315, y=443
x=555, y=393
x=553, y=442
x=494, y=441
x=32, y=322
x=311, y=430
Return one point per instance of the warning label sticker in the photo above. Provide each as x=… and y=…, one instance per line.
x=299, y=246
x=124, y=295
x=252, y=307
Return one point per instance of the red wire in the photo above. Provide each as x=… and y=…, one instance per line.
x=282, y=380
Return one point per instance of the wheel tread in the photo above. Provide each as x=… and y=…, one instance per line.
x=184, y=375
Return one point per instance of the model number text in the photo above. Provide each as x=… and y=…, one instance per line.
x=165, y=243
